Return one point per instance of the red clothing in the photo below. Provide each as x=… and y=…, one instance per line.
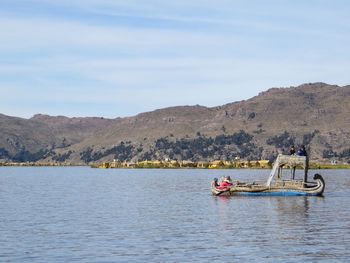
x=224, y=185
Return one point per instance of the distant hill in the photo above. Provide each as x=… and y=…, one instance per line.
x=315, y=114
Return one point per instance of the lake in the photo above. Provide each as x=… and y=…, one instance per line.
x=78, y=214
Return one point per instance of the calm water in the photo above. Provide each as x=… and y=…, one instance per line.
x=93, y=215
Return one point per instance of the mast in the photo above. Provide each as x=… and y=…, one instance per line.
x=306, y=168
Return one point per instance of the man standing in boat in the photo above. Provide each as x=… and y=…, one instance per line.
x=302, y=151
x=292, y=150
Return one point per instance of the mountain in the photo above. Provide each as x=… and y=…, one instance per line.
x=315, y=114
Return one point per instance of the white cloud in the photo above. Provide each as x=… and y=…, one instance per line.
x=42, y=33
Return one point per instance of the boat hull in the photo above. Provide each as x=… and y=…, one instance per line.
x=280, y=188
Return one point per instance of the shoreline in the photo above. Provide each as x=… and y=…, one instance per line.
x=159, y=165
x=29, y=164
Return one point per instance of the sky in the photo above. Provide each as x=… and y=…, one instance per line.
x=117, y=58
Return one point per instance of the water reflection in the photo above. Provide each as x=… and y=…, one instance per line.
x=295, y=207
x=271, y=215
x=165, y=216
x=223, y=212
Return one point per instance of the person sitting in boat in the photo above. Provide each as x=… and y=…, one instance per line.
x=302, y=151
x=227, y=182
x=215, y=183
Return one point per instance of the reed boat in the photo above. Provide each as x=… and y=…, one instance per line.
x=276, y=185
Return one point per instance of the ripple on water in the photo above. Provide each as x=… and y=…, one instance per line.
x=92, y=215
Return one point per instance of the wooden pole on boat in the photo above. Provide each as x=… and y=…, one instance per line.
x=306, y=168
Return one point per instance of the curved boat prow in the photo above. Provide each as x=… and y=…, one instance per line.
x=320, y=182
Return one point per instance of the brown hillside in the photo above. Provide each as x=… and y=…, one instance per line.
x=315, y=113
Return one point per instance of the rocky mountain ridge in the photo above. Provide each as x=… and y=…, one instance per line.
x=315, y=114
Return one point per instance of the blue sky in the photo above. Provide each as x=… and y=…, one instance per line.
x=115, y=58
